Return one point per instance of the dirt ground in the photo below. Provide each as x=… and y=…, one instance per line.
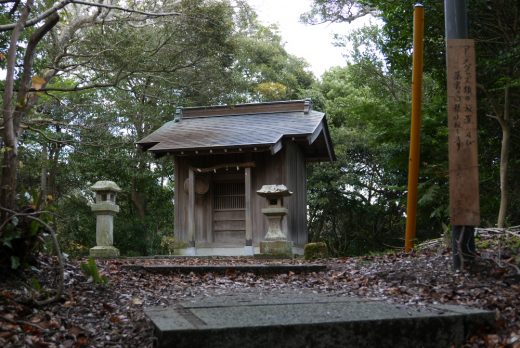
x=111, y=315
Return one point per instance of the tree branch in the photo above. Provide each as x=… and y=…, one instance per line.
x=119, y=8
x=15, y=6
x=61, y=4
x=46, y=122
x=342, y=12
x=7, y=112
x=35, y=20
x=28, y=60
x=492, y=116
x=49, y=139
x=78, y=88
x=23, y=322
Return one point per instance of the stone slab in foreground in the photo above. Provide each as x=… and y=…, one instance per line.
x=312, y=321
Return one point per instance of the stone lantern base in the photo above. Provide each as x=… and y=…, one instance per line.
x=104, y=251
x=277, y=248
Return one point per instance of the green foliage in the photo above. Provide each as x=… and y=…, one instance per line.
x=91, y=271
x=313, y=251
x=15, y=262
x=482, y=243
x=263, y=69
x=357, y=205
x=211, y=53
x=20, y=239
x=36, y=285
x=495, y=27
x=168, y=243
x=271, y=91
x=76, y=228
x=513, y=242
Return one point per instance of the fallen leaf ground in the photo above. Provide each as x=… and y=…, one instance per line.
x=111, y=315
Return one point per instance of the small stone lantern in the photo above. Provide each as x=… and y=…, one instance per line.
x=105, y=208
x=275, y=243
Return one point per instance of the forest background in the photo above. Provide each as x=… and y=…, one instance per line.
x=86, y=80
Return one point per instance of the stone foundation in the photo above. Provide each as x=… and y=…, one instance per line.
x=104, y=251
x=276, y=248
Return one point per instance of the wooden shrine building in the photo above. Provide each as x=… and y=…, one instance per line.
x=224, y=154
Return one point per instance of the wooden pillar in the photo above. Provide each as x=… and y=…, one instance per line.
x=180, y=233
x=462, y=132
x=249, y=226
x=191, y=208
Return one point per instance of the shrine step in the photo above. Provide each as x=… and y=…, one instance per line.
x=223, y=269
x=312, y=320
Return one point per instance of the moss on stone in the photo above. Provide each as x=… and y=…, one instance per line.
x=277, y=248
x=315, y=251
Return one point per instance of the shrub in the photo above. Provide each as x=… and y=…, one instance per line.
x=168, y=244
x=91, y=271
x=20, y=239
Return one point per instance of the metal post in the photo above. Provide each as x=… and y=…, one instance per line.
x=415, y=130
x=456, y=19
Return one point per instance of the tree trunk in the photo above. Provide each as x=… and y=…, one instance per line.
x=43, y=177
x=14, y=114
x=54, y=156
x=8, y=182
x=137, y=198
x=10, y=133
x=504, y=159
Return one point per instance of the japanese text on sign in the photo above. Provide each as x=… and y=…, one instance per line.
x=462, y=124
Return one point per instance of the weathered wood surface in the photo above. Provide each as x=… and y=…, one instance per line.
x=243, y=133
x=462, y=133
x=229, y=212
x=201, y=185
x=248, y=211
x=295, y=180
x=191, y=207
x=241, y=109
x=225, y=166
x=214, y=225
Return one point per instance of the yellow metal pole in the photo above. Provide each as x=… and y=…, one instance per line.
x=415, y=131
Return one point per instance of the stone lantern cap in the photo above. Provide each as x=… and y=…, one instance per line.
x=106, y=192
x=105, y=185
x=274, y=191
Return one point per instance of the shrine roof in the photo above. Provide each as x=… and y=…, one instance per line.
x=247, y=127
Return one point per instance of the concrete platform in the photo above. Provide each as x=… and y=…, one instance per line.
x=312, y=321
x=217, y=250
x=253, y=268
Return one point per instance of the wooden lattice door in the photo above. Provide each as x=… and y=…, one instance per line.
x=229, y=213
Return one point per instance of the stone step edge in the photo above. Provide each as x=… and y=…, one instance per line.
x=263, y=269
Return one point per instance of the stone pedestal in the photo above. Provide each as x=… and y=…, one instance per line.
x=276, y=248
x=104, y=251
x=274, y=220
x=105, y=208
x=275, y=243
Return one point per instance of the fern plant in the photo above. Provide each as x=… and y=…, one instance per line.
x=90, y=270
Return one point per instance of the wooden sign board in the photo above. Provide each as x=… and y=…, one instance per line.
x=462, y=133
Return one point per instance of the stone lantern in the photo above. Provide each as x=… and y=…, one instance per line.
x=105, y=208
x=275, y=243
